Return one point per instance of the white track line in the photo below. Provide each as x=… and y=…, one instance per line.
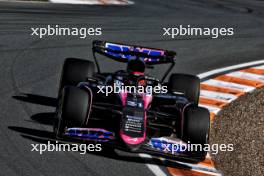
x=156, y=169
x=230, y=68
x=94, y=2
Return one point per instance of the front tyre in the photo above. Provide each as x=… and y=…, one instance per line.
x=75, y=71
x=196, y=127
x=73, y=109
x=187, y=84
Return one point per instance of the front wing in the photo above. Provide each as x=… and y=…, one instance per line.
x=160, y=146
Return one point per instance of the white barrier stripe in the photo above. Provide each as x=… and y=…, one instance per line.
x=213, y=109
x=229, y=85
x=245, y=75
x=217, y=95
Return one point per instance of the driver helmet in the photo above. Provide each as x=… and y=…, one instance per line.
x=136, y=66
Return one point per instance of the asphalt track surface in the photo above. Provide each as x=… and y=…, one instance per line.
x=30, y=67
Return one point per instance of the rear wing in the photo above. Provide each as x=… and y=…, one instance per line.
x=123, y=53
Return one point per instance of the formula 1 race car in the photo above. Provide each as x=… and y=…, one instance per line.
x=129, y=108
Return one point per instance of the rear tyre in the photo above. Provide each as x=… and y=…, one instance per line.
x=187, y=84
x=196, y=126
x=72, y=110
x=75, y=71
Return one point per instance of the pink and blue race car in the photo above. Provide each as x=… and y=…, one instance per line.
x=141, y=119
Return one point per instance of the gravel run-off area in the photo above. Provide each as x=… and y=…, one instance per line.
x=241, y=123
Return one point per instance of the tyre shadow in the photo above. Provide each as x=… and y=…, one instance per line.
x=36, y=99
x=46, y=118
